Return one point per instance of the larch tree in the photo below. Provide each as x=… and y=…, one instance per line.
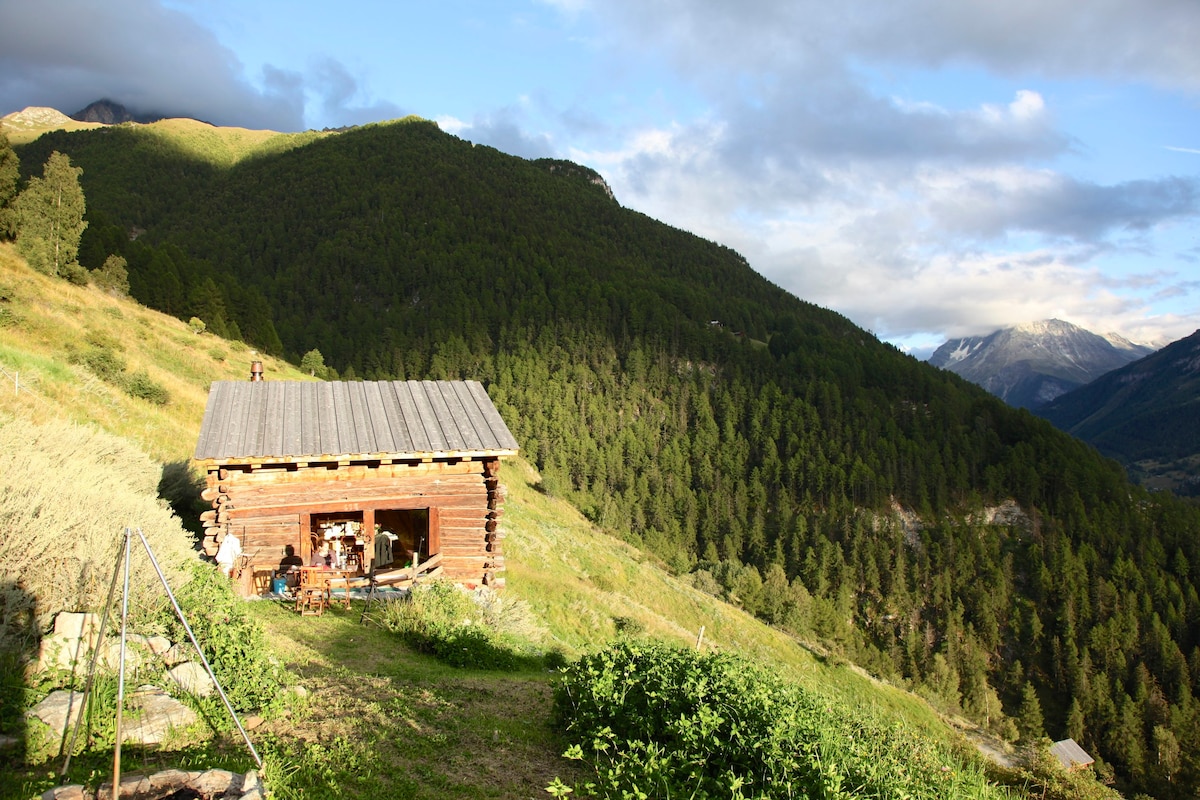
x=50, y=218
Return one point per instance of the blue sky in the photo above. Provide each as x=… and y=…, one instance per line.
x=929, y=168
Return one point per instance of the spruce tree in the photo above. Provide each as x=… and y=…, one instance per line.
x=50, y=218
x=10, y=173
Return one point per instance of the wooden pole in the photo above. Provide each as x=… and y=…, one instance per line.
x=700, y=638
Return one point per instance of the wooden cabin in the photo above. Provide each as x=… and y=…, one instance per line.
x=377, y=472
x=1071, y=755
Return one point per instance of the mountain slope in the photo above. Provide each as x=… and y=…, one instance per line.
x=785, y=459
x=582, y=585
x=1029, y=365
x=1143, y=415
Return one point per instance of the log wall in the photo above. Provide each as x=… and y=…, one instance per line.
x=270, y=507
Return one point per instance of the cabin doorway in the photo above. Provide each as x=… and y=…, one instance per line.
x=401, y=533
x=336, y=540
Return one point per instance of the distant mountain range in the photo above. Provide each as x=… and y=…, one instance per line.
x=1144, y=415
x=109, y=112
x=1029, y=365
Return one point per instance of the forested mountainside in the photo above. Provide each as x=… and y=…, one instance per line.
x=1144, y=415
x=783, y=456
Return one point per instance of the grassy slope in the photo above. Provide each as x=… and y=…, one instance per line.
x=578, y=580
x=45, y=320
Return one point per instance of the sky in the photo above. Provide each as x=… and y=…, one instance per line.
x=928, y=168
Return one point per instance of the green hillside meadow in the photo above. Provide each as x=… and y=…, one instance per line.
x=579, y=587
x=701, y=451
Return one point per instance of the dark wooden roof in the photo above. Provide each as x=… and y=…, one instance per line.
x=283, y=421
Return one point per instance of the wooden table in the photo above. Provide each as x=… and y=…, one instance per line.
x=316, y=592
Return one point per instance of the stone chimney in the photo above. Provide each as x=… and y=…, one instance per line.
x=255, y=371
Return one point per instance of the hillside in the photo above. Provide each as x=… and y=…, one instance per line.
x=582, y=588
x=767, y=449
x=1029, y=365
x=1143, y=415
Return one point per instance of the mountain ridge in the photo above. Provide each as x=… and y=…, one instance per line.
x=1029, y=364
x=1143, y=415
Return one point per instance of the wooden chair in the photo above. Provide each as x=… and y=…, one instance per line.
x=262, y=580
x=312, y=596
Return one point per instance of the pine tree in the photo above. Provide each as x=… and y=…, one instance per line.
x=10, y=173
x=50, y=217
x=1030, y=721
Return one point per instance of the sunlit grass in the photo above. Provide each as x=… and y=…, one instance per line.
x=49, y=319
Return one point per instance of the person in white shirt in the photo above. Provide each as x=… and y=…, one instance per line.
x=228, y=552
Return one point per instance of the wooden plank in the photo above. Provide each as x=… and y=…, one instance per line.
x=381, y=423
x=444, y=416
x=345, y=442
x=361, y=424
x=471, y=423
x=402, y=438
x=413, y=418
x=504, y=439
x=327, y=430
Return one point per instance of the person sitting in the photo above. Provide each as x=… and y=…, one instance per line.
x=290, y=559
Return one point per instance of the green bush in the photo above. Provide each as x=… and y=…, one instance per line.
x=441, y=619
x=141, y=386
x=654, y=721
x=103, y=362
x=233, y=642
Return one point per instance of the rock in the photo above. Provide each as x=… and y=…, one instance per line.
x=73, y=625
x=60, y=652
x=8, y=742
x=110, y=655
x=192, y=678
x=251, y=722
x=178, y=654
x=170, y=781
x=160, y=713
x=250, y=782
x=72, y=791
x=54, y=710
x=158, y=645
x=216, y=782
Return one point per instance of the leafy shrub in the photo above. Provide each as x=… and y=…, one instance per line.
x=441, y=619
x=661, y=722
x=141, y=386
x=233, y=642
x=103, y=362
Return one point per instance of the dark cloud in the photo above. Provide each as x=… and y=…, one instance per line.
x=68, y=53
x=340, y=99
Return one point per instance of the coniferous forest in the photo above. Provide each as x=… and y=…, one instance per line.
x=781, y=456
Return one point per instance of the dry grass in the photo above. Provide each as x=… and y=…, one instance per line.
x=45, y=320
x=67, y=492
